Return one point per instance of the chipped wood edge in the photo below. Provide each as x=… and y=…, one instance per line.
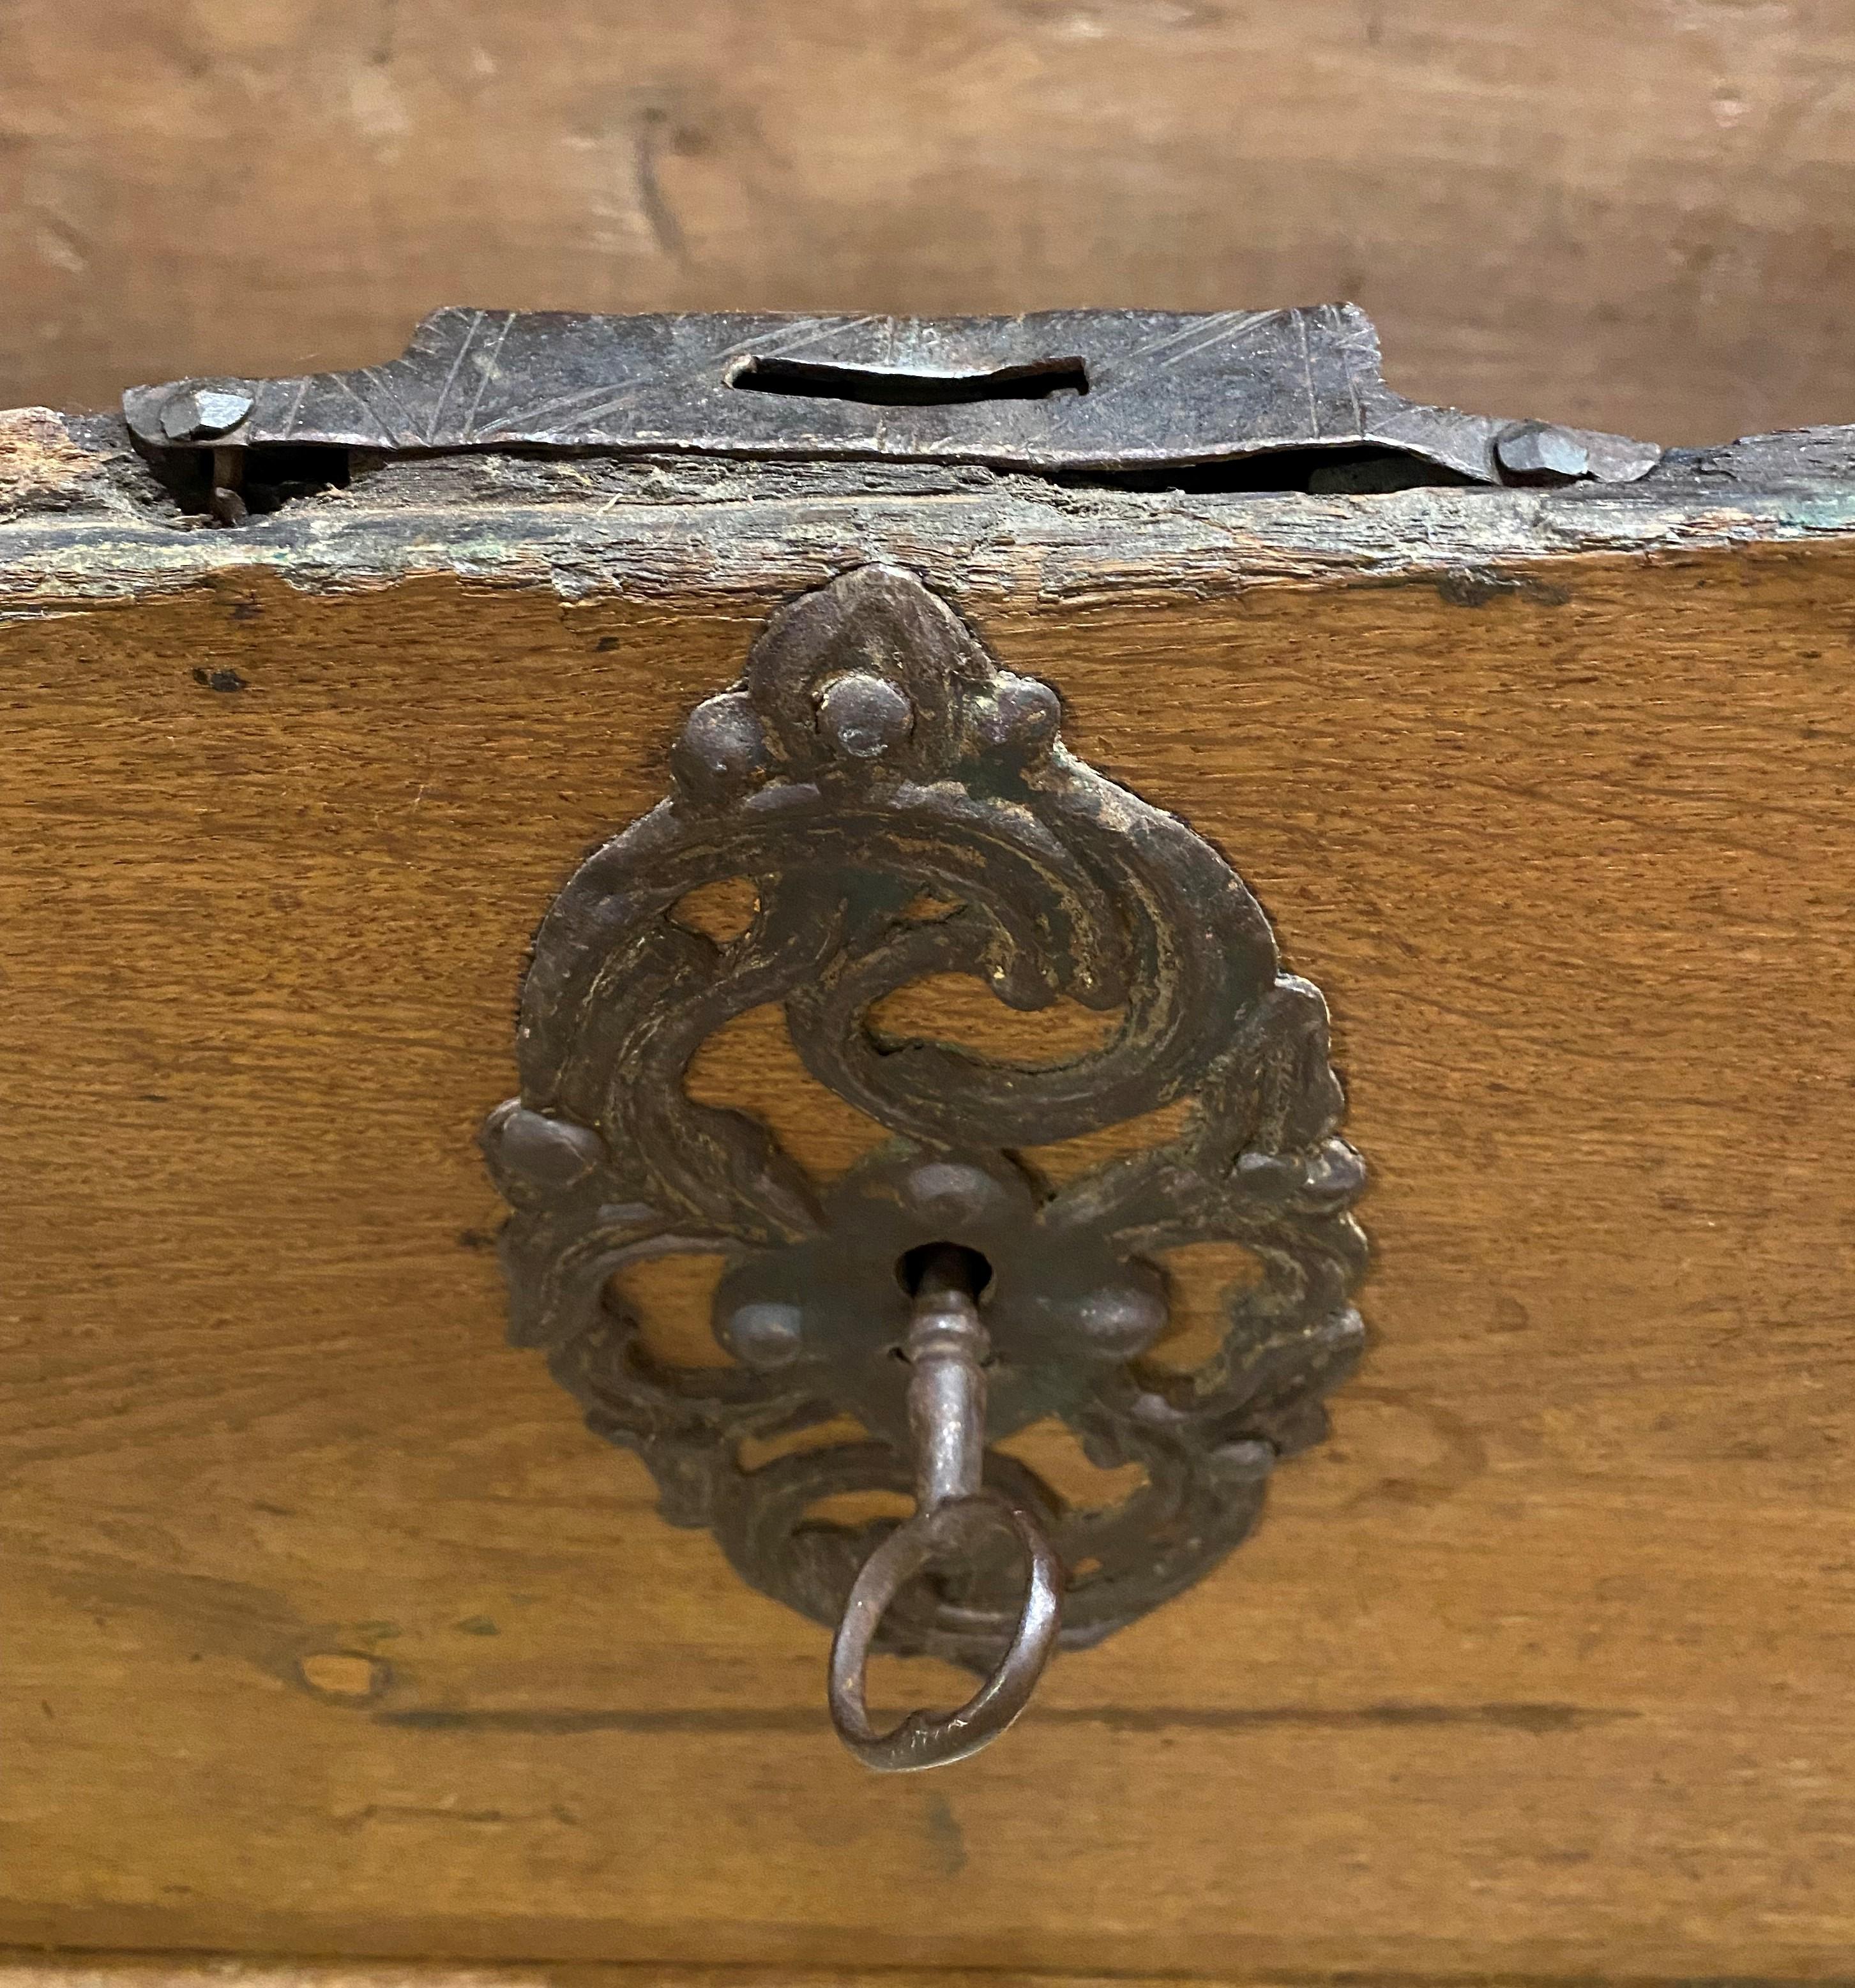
x=82, y=522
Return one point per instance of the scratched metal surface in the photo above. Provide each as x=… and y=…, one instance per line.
x=1162, y=390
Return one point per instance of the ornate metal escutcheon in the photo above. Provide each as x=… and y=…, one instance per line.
x=904, y=808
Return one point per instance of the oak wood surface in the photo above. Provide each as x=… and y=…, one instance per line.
x=47, y=1969
x=331, y=1632
x=1634, y=215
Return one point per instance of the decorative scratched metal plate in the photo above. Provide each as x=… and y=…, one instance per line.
x=1055, y=391
x=905, y=808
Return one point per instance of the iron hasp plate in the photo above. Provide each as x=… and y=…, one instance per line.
x=1055, y=391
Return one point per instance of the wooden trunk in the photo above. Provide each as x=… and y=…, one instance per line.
x=331, y=1632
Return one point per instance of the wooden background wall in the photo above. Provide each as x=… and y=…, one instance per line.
x=1633, y=213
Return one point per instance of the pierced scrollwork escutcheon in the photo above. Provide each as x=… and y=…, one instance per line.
x=904, y=808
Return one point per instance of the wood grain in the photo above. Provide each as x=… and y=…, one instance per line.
x=120, y=1970
x=331, y=1632
x=1629, y=213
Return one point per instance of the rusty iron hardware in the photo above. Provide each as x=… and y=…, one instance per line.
x=946, y=1348
x=1075, y=393
x=904, y=808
